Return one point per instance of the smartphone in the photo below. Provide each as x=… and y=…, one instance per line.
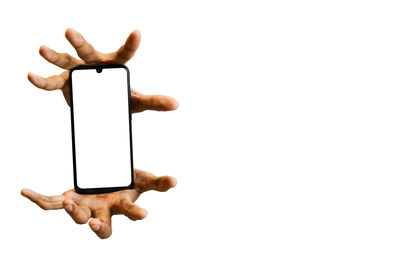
x=101, y=128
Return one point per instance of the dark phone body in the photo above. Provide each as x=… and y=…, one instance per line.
x=100, y=190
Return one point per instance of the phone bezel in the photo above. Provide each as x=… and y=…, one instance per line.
x=99, y=190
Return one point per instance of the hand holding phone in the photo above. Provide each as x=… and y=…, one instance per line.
x=90, y=56
x=86, y=206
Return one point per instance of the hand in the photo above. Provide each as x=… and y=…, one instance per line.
x=88, y=55
x=102, y=207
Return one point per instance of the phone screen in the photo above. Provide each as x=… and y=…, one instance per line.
x=101, y=127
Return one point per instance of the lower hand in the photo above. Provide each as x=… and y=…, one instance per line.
x=102, y=207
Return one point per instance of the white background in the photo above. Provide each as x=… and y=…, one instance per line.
x=285, y=145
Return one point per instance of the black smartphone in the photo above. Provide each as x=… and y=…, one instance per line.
x=101, y=128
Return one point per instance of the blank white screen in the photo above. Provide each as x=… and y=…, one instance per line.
x=101, y=121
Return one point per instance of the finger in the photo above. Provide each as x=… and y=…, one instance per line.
x=132, y=211
x=145, y=181
x=83, y=48
x=80, y=214
x=62, y=60
x=45, y=202
x=126, y=52
x=50, y=83
x=140, y=102
x=101, y=224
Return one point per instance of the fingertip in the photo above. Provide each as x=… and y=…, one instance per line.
x=99, y=229
x=135, y=33
x=167, y=182
x=30, y=76
x=174, y=182
x=141, y=214
x=36, y=80
x=68, y=204
x=73, y=37
x=29, y=194
x=168, y=103
x=23, y=191
x=95, y=224
x=69, y=32
x=47, y=53
x=174, y=104
x=133, y=41
x=171, y=182
x=42, y=49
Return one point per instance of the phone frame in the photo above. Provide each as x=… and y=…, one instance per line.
x=100, y=190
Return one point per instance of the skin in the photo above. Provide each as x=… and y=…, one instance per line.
x=88, y=56
x=100, y=207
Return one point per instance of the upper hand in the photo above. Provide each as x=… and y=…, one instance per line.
x=88, y=55
x=102, y=207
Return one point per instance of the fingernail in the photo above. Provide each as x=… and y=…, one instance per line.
x=69, y=207
x=144, y=213
x=174, y=182
x=96, y=227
